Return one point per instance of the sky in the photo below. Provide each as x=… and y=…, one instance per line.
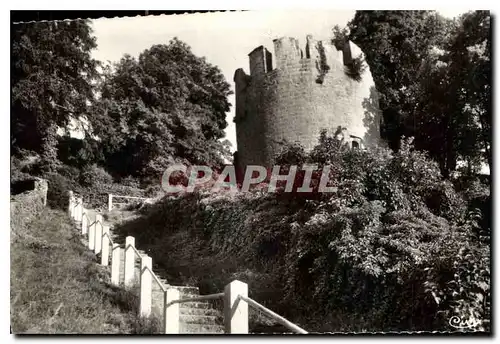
x=224, y=38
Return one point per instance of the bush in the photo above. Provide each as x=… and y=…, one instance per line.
x=57, y=194
x=69, y=172
x=16, y=171
x=130, y=181
x=95, y=176
x=24, y=166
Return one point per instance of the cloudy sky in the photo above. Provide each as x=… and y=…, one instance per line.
x=224, y=38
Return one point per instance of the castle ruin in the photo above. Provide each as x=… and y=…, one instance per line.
x=302, y=95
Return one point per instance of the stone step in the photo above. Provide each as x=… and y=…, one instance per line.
x=198, y=319
x=201, y=305
x=198, y=311
x=186, y=289
x=200, y=328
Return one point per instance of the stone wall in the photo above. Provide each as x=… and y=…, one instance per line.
x=290, y=103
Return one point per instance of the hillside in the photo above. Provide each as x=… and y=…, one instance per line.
x=358, y=260
x=57, y=287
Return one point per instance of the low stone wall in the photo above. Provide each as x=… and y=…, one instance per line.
x=25, y=206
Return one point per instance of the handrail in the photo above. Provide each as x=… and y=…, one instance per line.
x=135, y=250
x=199, y=298
x=88, y=218
x=160, y=283
x=273, y=315
x=145, y=304
x=109, y=237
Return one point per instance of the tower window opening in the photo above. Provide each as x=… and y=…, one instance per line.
x=355, y=144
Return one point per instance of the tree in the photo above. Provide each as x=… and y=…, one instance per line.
x=52, y=73
x=470, y=69
x=433, y=76
x=395, y=43
x=167, y=105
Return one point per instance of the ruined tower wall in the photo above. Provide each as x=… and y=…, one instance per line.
x=288, y=103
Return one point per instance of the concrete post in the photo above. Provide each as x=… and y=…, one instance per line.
x=79, y=207
x=235, y=310
x=85, y=223
x=171, y=312
x=70, y=198
x=80, y=210
x=98, y=234
x=129, y=261
x=77, y=210
x=146, y=287
x=105, y=246
x=110, y=202
x=92, y=236
x=115, y=264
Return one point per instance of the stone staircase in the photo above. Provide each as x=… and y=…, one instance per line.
x=199, y=317
x=195, y=317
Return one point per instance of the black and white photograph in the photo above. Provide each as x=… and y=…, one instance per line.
x=251, y=172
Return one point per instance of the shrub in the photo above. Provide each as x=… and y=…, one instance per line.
x=130, y=181
x=356, y=68
x=16, y=171
x=57, y=194
x=69, y=172
x=95, y=176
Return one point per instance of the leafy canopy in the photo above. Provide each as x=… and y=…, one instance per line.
x=166, y=105
x=434, y=80
x=52, y=81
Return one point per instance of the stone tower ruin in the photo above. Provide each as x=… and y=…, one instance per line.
x=302, y=95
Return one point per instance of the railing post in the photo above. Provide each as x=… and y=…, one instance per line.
x=110, y=202
x=85, y=223
x=77, y=209
x=74, y=211
x=145, y=299
x=171, y=312
x=80, y=213
x=129, y=261
x=70, y=206
x=78, y=216
x=98, y=234
x=115, y=264
x=105, y=246
x=92, y=236
x=235, y=310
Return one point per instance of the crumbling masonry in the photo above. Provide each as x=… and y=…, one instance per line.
x=304, y=94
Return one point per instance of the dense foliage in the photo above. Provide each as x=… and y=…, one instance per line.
x=395, y=248
x=137, y=115
x=52, y=75
x=167, y=105
x=434, y=80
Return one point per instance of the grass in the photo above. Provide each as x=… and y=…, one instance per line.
x=58, y=287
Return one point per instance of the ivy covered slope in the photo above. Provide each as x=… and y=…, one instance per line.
x=396, y=248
